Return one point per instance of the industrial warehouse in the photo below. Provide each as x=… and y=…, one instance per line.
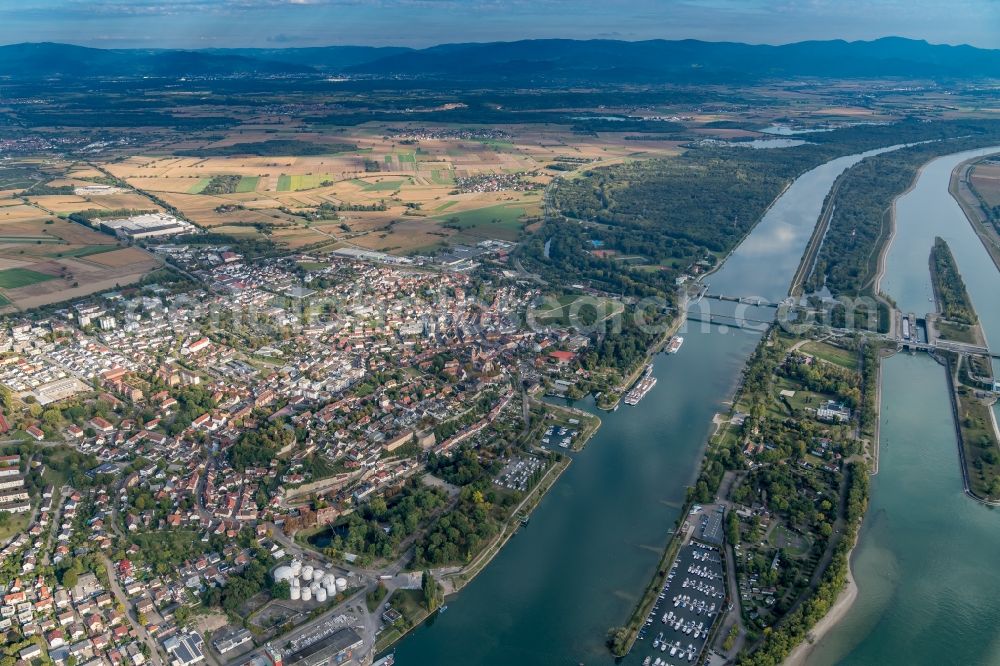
x=147, y=225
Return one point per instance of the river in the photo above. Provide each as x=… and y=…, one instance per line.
x=594, y=541
x=925, y=565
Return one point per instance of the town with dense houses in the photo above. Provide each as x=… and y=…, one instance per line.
x=185, y=443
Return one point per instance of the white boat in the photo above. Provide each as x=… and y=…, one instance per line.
x=675, y=344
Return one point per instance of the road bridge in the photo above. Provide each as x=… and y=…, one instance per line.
x=756, y=301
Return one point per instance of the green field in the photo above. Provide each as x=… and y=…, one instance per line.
x=18, y=177
x=502, y=221
x=308, y=181
x=199, y=186
x=4, y=301
x=446, y=205
x=407, y=157
x=439, y=177
x=497, y=145
x=248, y=184
x=384, y=186
x=30, y=239
x=84, y=251
x=388, y=160
x=982, y=455
x=12, y=278
x=836, y=355
x=410, y=604
x=949, y=330
x=245, y=184
x=13, y=524
x=793, y=545
x=587, y=308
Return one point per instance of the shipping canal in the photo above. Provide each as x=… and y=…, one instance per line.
x=925, y=565
x=594, y=541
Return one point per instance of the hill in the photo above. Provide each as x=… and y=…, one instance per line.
x=690, y=60
x=541, y=60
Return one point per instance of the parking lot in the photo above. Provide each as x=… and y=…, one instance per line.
x=518, y=473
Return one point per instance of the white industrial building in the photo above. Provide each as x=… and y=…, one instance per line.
x=147, y=225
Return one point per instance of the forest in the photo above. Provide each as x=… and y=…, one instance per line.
x=949, y=287
x=269, y=148
x=860, y=227
x=378, y=527
x=670, y=213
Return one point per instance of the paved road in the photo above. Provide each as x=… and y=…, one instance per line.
x=735, y=616
x=123, y=600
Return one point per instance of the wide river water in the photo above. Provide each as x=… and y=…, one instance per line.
x=594, y=541
x=926, y=564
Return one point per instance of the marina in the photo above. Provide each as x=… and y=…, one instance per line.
x=690, y=601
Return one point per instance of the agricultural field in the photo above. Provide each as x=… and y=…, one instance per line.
x=12, y=278
x=46, y=258
x=302, y=178
x=379, y=195
x=986, y=179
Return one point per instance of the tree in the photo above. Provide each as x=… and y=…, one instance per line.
x=433, y=594
x=281, y=590
x=617, y=640
x=70, y=578
x=182, y=615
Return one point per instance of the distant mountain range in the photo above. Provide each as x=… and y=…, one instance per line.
x=552, y=60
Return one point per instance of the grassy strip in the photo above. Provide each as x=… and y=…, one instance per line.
x=979, y=448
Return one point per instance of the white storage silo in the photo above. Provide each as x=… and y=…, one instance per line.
x=341, y=584
x=296, y=567
x=330, y=583
x=318, y=574
x=321, y=595
x=306, y=594
x=283, y=572
x=295, y=593
x=307, y=572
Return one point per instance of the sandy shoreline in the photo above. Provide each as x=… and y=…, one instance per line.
x=845, y=600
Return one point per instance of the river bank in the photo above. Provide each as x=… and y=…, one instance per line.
x=837, y=612
x=634, y=376
x=453, y=581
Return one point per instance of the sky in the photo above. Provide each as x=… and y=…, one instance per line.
x=419, y=23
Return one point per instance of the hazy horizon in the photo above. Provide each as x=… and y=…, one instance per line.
x=194, y=24
x=363, y=45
